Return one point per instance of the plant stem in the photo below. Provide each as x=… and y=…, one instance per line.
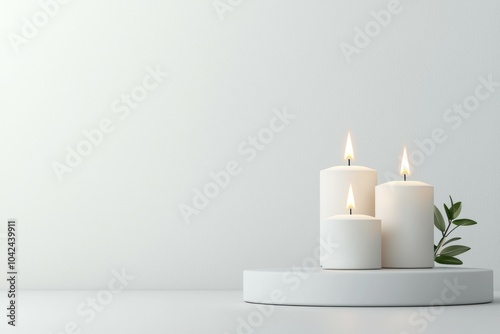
x=445, y=235
x=454, y=229
x=439, y=246
x=447, y=228
x=440, y=243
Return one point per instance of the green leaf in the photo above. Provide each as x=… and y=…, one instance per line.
x=451, y=240
x=435, y=247
x=454, y=250
x=451, y=200
x=448, y=212
x=439, y=220
x=455, y=209
x=443, y=259
x=464, y=222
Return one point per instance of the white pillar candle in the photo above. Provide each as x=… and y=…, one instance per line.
x=406, y=209
x=355, y=241
x=334, y=184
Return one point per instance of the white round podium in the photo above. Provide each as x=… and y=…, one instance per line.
x=385, y=287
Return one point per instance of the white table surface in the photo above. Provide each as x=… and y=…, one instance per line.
x=218, y=312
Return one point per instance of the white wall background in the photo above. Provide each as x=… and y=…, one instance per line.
x=120, y=207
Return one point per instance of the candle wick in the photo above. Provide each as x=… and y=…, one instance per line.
x=350, y=211
x=348, y=162
x=405, y=177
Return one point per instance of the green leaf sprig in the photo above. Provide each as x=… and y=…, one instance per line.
x=446, y=255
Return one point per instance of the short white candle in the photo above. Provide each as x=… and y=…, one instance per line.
x=334, y=184
x=406, y=209
x=355, y=241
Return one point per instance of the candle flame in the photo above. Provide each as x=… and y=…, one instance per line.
x=349, y=152
x=350, y=199
x=405, y=165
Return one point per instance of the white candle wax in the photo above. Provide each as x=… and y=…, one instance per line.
x=354, y=240
x=406, y=209
x=334, y=185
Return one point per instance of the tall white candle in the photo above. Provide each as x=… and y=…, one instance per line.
x=356, y=241
x=334, y=184
x=406, y=209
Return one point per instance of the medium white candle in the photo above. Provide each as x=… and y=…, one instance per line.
x=334, y=184
x=406, y=209
x=356, y=240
